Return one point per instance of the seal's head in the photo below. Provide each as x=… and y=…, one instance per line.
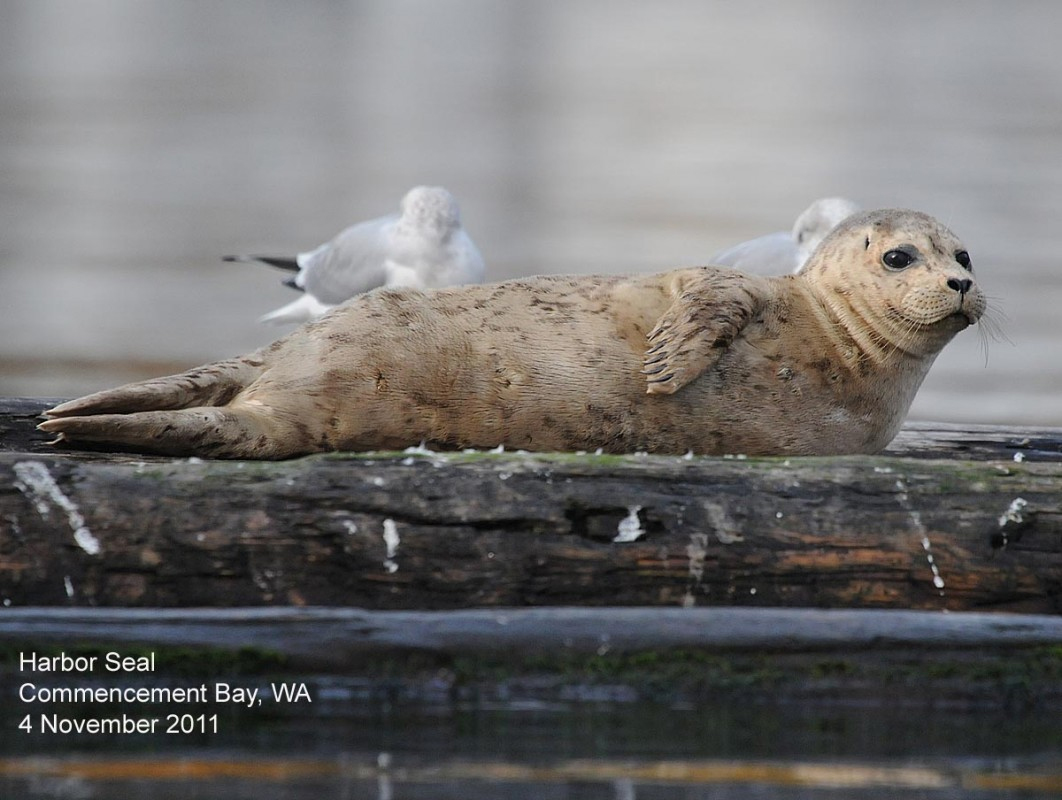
x=898, y=278
x=430, y=208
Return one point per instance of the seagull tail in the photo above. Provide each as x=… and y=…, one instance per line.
x=304, y=309
x=289, y=263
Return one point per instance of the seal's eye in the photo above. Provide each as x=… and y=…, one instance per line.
x=897, y=259
x=963, y=258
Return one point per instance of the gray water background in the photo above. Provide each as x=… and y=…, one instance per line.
x=142, y=139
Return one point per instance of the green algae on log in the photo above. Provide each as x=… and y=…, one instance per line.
x=550, y=654
x=941, y=521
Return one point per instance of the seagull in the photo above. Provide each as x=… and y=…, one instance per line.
x=422, y=247
x=783, y=252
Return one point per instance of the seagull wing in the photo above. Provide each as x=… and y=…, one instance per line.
x=459, y=264
x=352, y=263
x=773, y=254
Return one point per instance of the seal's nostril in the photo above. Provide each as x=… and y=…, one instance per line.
x=961, y=286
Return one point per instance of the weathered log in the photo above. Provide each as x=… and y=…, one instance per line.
x=961, y=526
x=334, y=638
x=917, y=658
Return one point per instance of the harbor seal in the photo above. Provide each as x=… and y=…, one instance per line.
x=704, y=359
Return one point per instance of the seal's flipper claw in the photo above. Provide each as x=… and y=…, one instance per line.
x=665, y=384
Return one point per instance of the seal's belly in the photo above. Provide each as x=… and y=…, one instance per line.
x=761, y=399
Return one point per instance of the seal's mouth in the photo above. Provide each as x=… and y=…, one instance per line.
x=961, y=319
x=957, y=319
x=934, y=310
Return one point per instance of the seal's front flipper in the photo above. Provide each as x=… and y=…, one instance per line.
x=709, y=311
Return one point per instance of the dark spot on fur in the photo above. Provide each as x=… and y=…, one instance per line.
x=341, y=337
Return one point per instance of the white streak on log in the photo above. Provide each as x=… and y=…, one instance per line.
x=391, y=540
x=726, y=530
x=696, y=550
x=1012, y=518
x=919, y=526
x=34, y=481
x=630, y=527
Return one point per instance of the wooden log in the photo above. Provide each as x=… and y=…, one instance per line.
x=944, y=520
x=869, y=657
x=334, y=638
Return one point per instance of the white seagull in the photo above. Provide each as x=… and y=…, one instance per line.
x=781, y=252
x=423, y=247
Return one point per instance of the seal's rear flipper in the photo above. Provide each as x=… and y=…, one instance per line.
x=212, y=432
x=209, y=385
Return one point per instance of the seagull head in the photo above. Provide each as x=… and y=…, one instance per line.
x=431, y=207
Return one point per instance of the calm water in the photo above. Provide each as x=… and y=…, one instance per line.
x=139, y=140
x=561, y=751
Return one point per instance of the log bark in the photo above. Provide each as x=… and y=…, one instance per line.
x=946, y=519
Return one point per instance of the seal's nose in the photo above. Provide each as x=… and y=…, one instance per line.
x=960, y=286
